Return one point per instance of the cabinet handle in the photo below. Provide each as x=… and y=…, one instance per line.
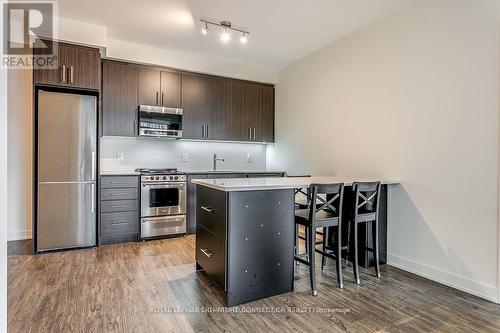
x=119, y=206
x=63, y=73
x=162, y=98
x=202, y=131
x=250, y=133
x=205, y=252
x=156, y=98
x=71, y=74
x=118, y=222
x=118, y=193
x=134, y=128
x=208, y=135
x=208, y=209
x=92, y=207
x=254, y=133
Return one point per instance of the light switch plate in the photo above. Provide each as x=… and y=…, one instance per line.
x=119, y=156
x=249, y=158
x=184, y=157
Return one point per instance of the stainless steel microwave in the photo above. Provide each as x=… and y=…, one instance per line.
x=159, y=121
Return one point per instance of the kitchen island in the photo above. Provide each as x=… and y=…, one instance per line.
x=245, y=233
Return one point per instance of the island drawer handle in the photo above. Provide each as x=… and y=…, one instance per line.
x=205, y=252
x=208, y=209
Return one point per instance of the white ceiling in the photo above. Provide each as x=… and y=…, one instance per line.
x=281, y=31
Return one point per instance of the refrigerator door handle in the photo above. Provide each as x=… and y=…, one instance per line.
x=93, y=165
x=92, y=207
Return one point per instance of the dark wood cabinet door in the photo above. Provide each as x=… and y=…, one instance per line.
x=217, y=102
x=120, y=85
x=263, y=117
x=149, y=86
x=48, y=76
x=84, y=66
x=79, y=67
x=194, y=107
x=239, y=111
x=171, y=85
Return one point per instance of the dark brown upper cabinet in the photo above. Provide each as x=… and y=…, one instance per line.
x=159, y=88
x=149, y=86
x=204, y=107
x=214, y=108
x=251, y=112
x=120, y=91
x=79, y=67
x=171, y=86
x=194, y=108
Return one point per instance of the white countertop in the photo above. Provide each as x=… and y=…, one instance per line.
x=269, y=183
x=119, y=173
x=129, y=172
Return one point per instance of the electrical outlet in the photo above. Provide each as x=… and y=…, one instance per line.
x=249, y=158
x=184, y=157
x=119, y=156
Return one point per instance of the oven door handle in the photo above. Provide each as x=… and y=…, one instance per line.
x=161, y=185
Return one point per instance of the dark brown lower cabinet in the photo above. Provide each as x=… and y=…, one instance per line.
x=119, y=209
x=191, y=191
x=249, y=260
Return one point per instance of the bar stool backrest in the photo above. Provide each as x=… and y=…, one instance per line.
x=328, y=198
x=367, y=197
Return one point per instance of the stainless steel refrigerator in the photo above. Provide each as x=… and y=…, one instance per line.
x=66, y=170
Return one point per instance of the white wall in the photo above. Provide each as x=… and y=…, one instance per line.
x=20, y=153
x=414, y=96
x=3, y=193
x=188, y=61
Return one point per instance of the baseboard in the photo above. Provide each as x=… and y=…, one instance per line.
x=19, y=235
x=467, y=285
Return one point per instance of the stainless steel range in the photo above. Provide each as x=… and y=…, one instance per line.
x=163, y=202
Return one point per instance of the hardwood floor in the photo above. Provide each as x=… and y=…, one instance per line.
x=129, y=288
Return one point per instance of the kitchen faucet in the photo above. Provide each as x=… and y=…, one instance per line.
x=215, y=161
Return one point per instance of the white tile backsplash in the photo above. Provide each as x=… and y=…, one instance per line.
x=120, y=153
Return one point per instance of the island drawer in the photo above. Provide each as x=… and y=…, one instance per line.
x=119, y=181
x=210, y=255
x=119, y=223
x=211, y=210
x=119, y=206
x=120, y=193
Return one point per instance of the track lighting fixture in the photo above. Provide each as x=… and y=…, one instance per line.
x=227, y=27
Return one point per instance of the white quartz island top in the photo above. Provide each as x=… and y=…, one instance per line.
x=272, y=183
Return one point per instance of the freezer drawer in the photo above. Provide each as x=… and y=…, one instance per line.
x=66, y=216
x=163, y=226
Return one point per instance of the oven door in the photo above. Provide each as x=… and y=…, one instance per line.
x=160, y=199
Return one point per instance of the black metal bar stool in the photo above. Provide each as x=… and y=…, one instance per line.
x=366, y=208
x=327, y=214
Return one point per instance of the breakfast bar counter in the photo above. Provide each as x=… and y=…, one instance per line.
x=245, y=233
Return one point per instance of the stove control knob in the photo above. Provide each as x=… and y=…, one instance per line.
x=170, y=177
x=164, y=178
x=157, y=178
x=176, y=177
